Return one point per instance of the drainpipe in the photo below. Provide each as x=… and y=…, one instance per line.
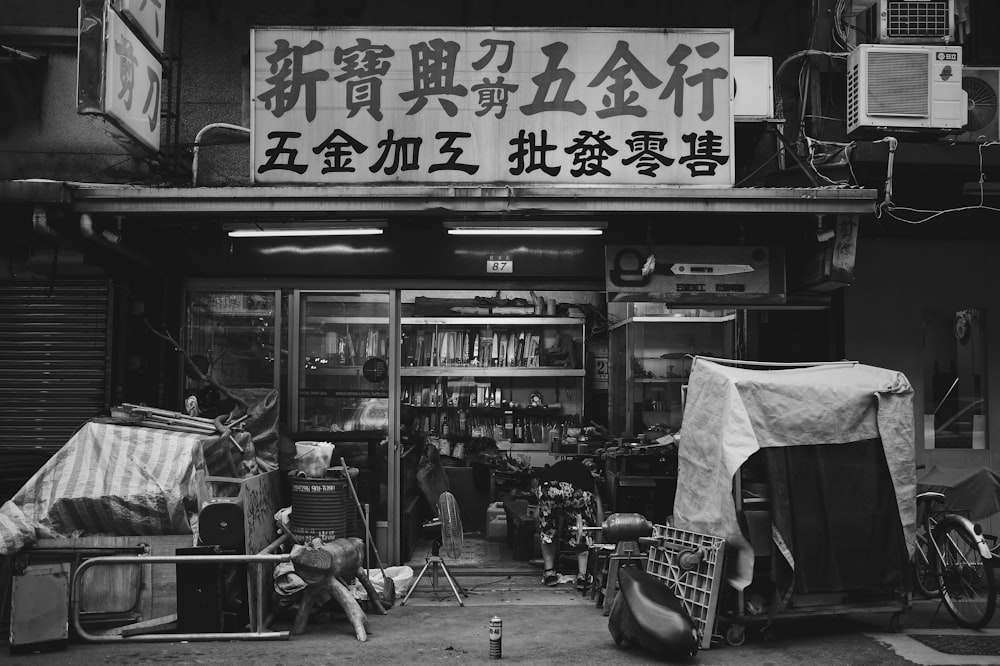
x=244, y=131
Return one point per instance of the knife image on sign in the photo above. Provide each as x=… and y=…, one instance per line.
x=709, y=269
x=632, y=269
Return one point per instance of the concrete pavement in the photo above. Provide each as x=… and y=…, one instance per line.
x=540, y=626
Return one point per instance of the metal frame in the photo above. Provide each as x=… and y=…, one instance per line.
x=256, y=633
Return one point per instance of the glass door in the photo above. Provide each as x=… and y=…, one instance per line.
x=344, y=372
x=234, y=338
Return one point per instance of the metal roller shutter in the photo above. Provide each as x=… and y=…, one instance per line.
x=54, y=369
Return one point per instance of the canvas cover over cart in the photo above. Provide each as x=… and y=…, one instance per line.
x=835, y=443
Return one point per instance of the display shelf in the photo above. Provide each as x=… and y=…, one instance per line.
x=498, y=321
x=659, y=380
x=343, y=346
x=473, y=371
x=650, y=357
x=480, y=375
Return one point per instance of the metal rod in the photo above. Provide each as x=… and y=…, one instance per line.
x=173, y=559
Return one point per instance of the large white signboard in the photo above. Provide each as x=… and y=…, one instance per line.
x=485, y=105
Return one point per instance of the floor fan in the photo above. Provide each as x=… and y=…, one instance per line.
x=447, y=533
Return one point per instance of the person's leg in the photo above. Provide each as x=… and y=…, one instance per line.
x=550, y=550
x=547, y=533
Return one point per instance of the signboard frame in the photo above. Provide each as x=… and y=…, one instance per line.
x=130, y=112
x=353, y=106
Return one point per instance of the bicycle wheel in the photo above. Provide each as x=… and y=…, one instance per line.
x=925, y=579
x=966, y=581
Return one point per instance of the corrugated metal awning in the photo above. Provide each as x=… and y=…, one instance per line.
x=485, y=199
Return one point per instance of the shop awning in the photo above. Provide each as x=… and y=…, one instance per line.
x=381, y=200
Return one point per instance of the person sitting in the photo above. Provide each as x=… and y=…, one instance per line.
x=566, y=498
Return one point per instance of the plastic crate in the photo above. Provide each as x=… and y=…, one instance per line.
x=691, y=565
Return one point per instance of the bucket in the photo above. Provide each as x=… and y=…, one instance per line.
x=320, y=508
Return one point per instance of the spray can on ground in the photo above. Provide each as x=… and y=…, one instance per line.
x=496, y=638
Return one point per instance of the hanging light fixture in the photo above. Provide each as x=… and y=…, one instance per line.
x=298, y=228
x=519, y=228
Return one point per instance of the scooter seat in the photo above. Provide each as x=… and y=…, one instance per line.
x=648, y=614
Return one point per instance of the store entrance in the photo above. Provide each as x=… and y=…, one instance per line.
x=491, y=385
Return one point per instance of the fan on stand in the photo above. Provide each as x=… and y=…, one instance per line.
x=446, y=530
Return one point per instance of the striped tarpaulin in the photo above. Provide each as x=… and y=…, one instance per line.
x=116, y=480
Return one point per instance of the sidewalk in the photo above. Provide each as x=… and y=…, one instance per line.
x=540, y=626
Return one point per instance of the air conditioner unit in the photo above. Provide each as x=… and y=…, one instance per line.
x=981, y=85
x=912, y=22
x=892, y=87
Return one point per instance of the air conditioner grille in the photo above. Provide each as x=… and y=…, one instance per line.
x=898, y=84
x=907, y=19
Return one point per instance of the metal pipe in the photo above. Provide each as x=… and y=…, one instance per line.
x=174, y=559
x=197, y=143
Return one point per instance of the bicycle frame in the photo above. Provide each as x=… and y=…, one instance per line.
x=932, y=523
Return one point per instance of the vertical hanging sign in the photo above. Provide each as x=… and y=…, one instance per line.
x=119, y=81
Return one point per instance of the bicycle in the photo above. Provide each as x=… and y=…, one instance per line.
x=953, y=561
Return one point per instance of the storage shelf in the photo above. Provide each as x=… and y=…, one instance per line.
x=316, y=319
x=660, y=380
x=467, y=371
x=659, y=319
x=543, y=411
x=343, y=370
x=504, y=320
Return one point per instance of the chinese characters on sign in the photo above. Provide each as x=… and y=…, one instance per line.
x=132, y=88
x=148, y=15
x=596, y=107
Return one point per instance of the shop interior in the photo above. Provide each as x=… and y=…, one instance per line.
x=492, y=387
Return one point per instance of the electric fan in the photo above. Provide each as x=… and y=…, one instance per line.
x=982, y=103
x=447, y=533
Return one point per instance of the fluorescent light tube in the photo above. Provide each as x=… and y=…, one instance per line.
x=525, y=231
x=273, y=233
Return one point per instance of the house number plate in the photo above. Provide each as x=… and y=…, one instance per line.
x=501, y=264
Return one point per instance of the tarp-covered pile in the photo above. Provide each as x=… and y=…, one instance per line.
x=866, y=411
x=128, y=480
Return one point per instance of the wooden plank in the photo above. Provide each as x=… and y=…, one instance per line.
x=160, y=580
x=261, y=499
x=165, y=623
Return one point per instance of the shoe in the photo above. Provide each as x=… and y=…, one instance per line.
x=583, y=583
x=551, y=578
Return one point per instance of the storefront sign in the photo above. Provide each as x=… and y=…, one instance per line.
x=119, y=79
x=148, y=16
x=485, y=105
x=695, y=274
x=831, y=265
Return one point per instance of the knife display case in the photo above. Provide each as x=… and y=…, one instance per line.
x=650, y=352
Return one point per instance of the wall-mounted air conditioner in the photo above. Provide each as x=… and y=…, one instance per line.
x=981, y=85
x=911, y=22
x=894, y=87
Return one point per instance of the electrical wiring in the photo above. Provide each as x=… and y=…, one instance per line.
x=779, y=110
x=891, y=209
x=759, y=167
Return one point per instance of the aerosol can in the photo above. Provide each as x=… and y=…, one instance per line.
x=496, y=638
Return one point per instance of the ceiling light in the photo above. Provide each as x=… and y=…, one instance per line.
x=289, y=229
x=538, y=229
